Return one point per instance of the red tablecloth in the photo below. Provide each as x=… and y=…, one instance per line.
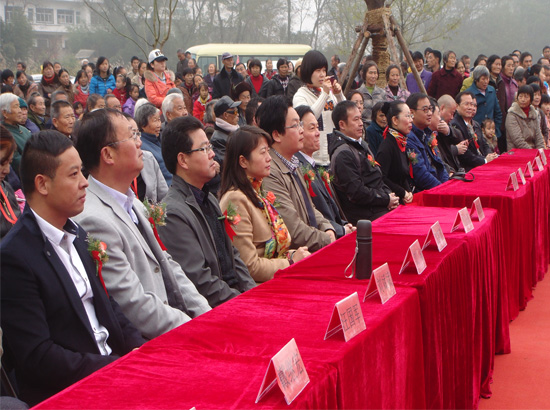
x=524, y=217
x=218, y=360
x=460, y=296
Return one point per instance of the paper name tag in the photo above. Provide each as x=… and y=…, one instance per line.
x=382, y=284
x=513, y=182
x=414, y=252
x=542, y=155
x=539, y=163
x=529, y=170
x=463, y=217
x=521, y=176
x=477, y=209
x=287, y=370
x=347, y=317
x=435, y=233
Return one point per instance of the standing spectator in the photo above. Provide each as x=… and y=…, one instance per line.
x=241, y=69
x=103, y=82
x=466, y=61
x=242, y=93
x=8, y=77
x=425, y=75
x=257, y=81
x=295, y=81
x=486, y=98
x=227, y=118
x=157, y=79
x=182, y=62
x=24, y=87
x=526, y=59
x=334, y=61
x=227, y=78
x=134, y=63
x=522, y=122
x=209, y=77
x=21, y=66
x=10, y=115
x=82, y=88
x=199, y=107
x=48, y=84
x=506, y=94
x=494, y=65
x=37, y=111
x=279, y=82
x=372, y=94
x=269, y=71
x=122, y=90
x=433, y=60
x=321, y=93
x=65, y=85
x=187, y=87
x=139, y=78
x=393, y=89
x=446, y=80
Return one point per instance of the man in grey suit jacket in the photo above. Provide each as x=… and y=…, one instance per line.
x=195, y=230
x=152, y=289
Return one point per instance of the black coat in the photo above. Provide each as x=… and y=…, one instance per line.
x=447, y=148
x=395, y=167
x=274, y=87
x=473, y=157
x=47, y=335
x=224, y=82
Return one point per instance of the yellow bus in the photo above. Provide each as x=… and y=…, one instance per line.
x=207, y=54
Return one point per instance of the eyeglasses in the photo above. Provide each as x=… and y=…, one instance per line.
x=469, y=104
x=135, y=136
x=206, y=149
x=426, y=109
x=233, y=112
x=296, y=125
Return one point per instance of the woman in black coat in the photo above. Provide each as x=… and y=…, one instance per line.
x=395, y=162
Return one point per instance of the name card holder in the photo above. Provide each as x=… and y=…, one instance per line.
x=347, y=317
x=287, y=370
x=539, y=164
x=381, y=285
x=521, y=176
x=513, y=182
x=542, y=156
x=435, y=233
x=529, y=170
x=463, y=217
x=415, y=253
x=477, y=209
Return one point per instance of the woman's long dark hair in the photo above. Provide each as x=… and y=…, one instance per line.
x=241, y=142
x=100, y=61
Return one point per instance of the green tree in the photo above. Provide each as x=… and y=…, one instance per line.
x=17, y=36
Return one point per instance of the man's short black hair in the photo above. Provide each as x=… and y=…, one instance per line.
x=96, y=131
x=413, y=99
x=437, y=54
x=271, y=115
x=313, y=60
x=134, y=58
x=187, y=70
x=56, y=107
x=40, y=157
x=524, y=55
x=458, y=98
x=340, y=112
x=176, y=139
x=417, y=55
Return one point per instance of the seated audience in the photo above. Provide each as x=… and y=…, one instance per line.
x=358, y=181
x=149, y=285
x=195, y=233
x=261, y=235
x=522, y=123
x=374, y=132
x=10, y=116
x=393, y=89
x=59, y=323
x=8, y=201
x=37, y=111
x=63, y=118
x=449, y=141
x=372, y=94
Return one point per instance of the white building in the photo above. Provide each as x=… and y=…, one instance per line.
x=50, y=19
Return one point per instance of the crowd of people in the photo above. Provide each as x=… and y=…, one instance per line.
x=134, y=200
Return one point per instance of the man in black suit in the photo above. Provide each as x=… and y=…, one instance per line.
x=323, y=199
x=59, y=324
x=479, y=152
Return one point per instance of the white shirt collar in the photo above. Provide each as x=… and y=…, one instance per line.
x=308, y=159
x=53, y=234
x=126, y=201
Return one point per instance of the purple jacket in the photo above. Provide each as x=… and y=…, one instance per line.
x=129, y=106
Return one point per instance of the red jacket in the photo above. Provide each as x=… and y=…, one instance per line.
x=199, y=108
x=120, y=95
x=444, y=82
x=156, y=89
x=80, y=96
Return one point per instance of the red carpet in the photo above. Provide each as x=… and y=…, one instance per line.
x=522, y=379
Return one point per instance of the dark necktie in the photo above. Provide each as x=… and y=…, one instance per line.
x=309, y=208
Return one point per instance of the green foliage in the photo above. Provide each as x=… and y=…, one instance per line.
x=17, y=36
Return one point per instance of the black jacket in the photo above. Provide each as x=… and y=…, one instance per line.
x=47, y=335
x=395, y=167
x=447, y=148
x=224, y=82
x=359, y=184
x=274, y=87
x=473, y=157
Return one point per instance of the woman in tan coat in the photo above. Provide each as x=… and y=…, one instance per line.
x=523, y=123
x=261, y=235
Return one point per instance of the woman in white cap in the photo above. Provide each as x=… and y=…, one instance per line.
x=157, y=78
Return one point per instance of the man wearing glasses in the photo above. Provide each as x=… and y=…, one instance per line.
x=195, y=227
x=152, y=289
x=306, y=225
x=428, y=169
x=479, y=152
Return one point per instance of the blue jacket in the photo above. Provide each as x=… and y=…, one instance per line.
x=151, y=143
x=99, y=85
x=487, y=106
x=429, y=170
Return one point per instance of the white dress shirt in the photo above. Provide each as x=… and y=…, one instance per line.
x=126, y=201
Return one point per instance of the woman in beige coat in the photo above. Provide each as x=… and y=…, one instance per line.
x=523, y=123
x=261, y=235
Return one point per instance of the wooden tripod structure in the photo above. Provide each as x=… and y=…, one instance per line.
x=379, y=26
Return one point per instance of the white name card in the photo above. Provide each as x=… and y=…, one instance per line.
x=287, y=370
x=435, y=233
x=477, y=209
x=382, y=284
x=513, y=182
x=542, y=156
x=415, y=253
x=529, y=170
x=463, y=217
x=521, y=176
x=347, y=317
x=539, y=164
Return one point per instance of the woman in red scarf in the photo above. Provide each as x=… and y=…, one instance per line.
x=48, y=84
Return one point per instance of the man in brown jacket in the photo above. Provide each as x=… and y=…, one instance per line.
x=306, y=225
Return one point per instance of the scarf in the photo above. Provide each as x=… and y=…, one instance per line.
x=224, y=125
x=279, y=244
x=526, y=110
x=49, y=80
x=400, y=138
x=85, y=90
